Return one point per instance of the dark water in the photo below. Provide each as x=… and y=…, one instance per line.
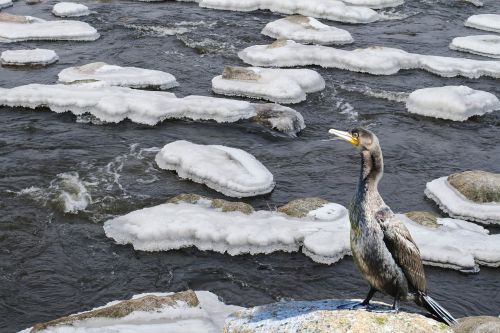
x=53, y=263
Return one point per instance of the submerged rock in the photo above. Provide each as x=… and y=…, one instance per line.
x=223, y=205
x=325, y=317
x=302, y=207
x=478, y=186
x=478, y=324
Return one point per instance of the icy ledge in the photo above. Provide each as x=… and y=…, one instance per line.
x=183, y=312
x=70, y=9
x=456, y=103
x=284, y=86
x=15, y=28
x=373, y=60
x=132, y=77
x=36, y=57
x=454, y=202
x=5, y=3
x=487, y=22
x=306, y=30
x=319, y=228
x=114, y=104
x=230, y=171
x=484, y=45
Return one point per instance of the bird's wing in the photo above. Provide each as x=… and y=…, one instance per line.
x=405, y=252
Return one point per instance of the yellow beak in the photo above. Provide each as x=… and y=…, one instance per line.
x=345, y=136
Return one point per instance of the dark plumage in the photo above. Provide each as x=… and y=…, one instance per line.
x=382, y=246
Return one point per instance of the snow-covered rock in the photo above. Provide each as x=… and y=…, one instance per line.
x=306, y=30
x=322, y=233
x=70, y=9
x=372, y=60
x=118, y=76
x=182, y=312
x=230, y=171
x=5, y=3
x=375, y=4
x=114, y=104
x=277, y=85
x=457, y=196
x=477, y=324
x=329, y=316
x=451, y=102
x=487, y=22
x=15, y=28
x=36, y=57
x=485, y=45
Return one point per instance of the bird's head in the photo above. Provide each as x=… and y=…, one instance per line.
x=359, y=137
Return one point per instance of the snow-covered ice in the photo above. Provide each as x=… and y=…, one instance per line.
x=114, y=104
x=118, y=76
x=276, y=85
x=22, y=28
x=5, y=3
x=39, y=57
x=373, y=60
x=183, y=312
x=70, y=9
x=457, y=205
x=451, y=102
x=487, y=22
x=323, y=234
x=485, y=45
x=230, y=171
x=306, y=30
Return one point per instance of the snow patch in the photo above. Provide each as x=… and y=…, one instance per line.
x=40, y=57
x=70, y=9
x=485, y=45
x=488, y=22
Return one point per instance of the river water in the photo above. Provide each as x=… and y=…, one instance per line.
x=53, y=263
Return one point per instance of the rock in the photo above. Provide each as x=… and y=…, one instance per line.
x=9, y=18
x=239, y=73
x=479, y=324
x=223, y=205
x=325, y=317
x=279, y=117
x=427, y=219
x=301, y=207
x=478, y=186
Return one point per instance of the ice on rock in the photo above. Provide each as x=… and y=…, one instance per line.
x=114, y=104
x=373, y=60
x=15, y=28
x=376, y=4
x=306, y=30
x=118, y=76
x=230, y=171
x=5, y=3
x=455, y=204
x=70, y=9
x=38, y=57
x=487, y=22
x=182, y=312
x=277, y=85
x=456, y=103
x=485, y=45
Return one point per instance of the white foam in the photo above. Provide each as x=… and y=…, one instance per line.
x=488, y=22
x=114, y=104
x=372, y=60
x=38, y=29
x=70, y=9
x=485, y=45
x=230, y=171
x=119, y=76
x=451, y=102
x=28, y=57
x=277, y=85
x=307, y=31
x=456, y=205
x=5, y=3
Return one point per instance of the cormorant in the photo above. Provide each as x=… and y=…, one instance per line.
x=381, y=245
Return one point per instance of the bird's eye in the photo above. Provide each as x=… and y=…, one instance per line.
x=355, y=135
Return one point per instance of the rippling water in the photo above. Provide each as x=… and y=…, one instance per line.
x=53, y=263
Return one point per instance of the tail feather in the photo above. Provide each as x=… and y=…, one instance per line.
x=433, y=307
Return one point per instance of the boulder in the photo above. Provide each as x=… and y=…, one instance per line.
x=301, y=207
x=426, y=219
x=478, y=324
x=478, y=186
x=223, y=205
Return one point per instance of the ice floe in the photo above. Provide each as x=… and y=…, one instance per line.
x=306, y=30
x=183, y=312
x=488, y=22
x=231, y=171
x=132, y=77
x=5, y=3
x=327, y=9
x=36, y=57
x=485, y=45
x=373, y=60
x=15, y=28
x=70, y=9
x=451, y=102
x=114, y=104
x=323, y=234
x=456, y=204
x=276, y=85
